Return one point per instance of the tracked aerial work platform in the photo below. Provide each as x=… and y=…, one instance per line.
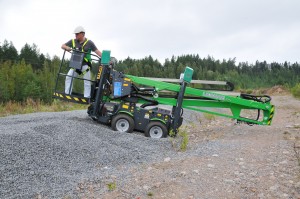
x=127, y=102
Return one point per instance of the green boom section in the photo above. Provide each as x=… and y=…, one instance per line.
x=200, y=100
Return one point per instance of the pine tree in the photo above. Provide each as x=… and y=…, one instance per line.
x=8, y=51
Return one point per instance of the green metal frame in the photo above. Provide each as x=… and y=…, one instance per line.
x=157, y=119
x=210, y=100
x=126, y=112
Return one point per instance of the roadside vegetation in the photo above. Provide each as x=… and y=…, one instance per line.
x=31, y=106
x=179, y=142
x=296, y=91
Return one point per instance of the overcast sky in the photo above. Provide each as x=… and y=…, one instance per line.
x=247, y=30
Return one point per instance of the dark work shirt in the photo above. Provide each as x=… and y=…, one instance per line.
x=88, y=46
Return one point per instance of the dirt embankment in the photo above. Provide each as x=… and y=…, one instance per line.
x=226, y=160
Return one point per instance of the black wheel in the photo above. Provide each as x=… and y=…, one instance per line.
x=122, y=123
x=90, y=110
x=156, y=130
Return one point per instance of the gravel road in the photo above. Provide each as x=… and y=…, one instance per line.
x=67, y=155
x=49, y=153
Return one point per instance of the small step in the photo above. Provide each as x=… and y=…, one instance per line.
x=76, y=98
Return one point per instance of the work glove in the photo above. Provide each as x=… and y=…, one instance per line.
x=78, y=71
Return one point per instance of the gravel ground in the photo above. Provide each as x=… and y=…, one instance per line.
x=49, y=153
x=67, y=155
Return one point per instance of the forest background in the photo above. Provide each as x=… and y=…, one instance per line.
x=29, y=74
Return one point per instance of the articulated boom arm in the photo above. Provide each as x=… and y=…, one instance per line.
x=196, y=100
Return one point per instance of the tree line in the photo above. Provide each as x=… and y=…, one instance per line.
x=31, y=74
x=242, y=75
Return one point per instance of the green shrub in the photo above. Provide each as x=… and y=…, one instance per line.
x=184, y=140
x=296, y=90
x=179, y=142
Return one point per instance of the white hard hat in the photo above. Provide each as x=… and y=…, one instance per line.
x=79, y=29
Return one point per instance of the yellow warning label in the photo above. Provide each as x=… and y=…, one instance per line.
x=99, y=72
x=125, y=106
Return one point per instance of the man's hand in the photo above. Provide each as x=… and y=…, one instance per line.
x=65, y=47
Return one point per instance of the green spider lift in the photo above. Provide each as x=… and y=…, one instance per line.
x=130, y=103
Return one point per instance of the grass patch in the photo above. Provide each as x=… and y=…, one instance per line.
x=32, y=106
x=111, y=186
x=179, y=142
x=150, y=194
x=209, y=116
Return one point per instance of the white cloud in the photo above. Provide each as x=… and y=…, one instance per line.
x=249, y=30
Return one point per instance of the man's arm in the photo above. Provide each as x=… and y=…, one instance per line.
x=98, y=53
x=65, y=47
